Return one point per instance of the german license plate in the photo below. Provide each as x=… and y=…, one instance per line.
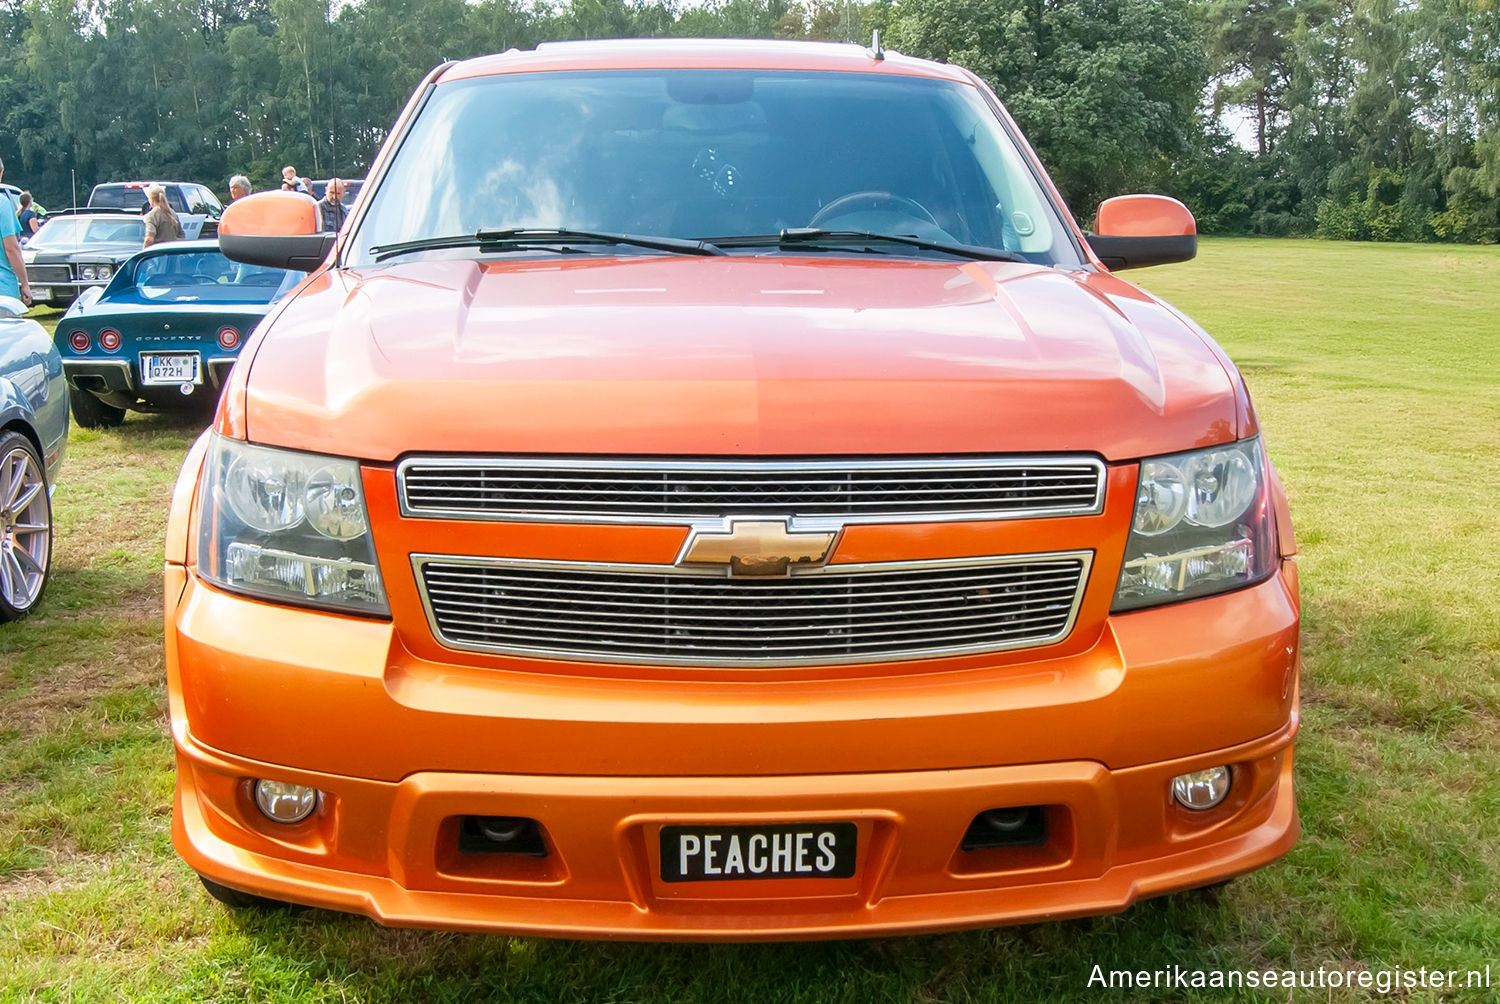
x=770, y=851
x=172, y=368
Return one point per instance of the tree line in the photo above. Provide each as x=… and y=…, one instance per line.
x=1353, y=119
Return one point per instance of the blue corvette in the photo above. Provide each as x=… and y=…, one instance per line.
x=33, y=436
x=165, y=331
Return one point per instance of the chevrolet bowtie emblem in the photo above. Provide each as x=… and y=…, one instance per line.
x=757, y=547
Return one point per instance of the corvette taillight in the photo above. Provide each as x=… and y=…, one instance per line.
x=79, y=340
x=109, y=339
x=228, y=337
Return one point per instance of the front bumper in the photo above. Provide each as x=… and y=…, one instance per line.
x=61, y=293
x=403, y=747
x=389, y=851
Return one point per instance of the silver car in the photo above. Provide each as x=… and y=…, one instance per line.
x=33, y=438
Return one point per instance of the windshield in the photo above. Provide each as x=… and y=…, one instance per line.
x=63, y=233
x=713, y=153
x=180, y=277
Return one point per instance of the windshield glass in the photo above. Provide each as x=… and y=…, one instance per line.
x=204, y=276
x=62, y=233
x=713, y=153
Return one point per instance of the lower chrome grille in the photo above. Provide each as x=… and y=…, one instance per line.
x=668, y=615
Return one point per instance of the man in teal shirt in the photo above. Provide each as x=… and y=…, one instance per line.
x=12, y=265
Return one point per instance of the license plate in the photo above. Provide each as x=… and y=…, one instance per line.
x=162, y=367
x=41, y=292
x=771, y=851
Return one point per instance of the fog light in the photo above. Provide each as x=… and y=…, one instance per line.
x=1016, y=826
x=501, y=835
x=285, y=803
x=1202, y=789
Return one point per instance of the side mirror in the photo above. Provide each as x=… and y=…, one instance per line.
x=277, y=229
x=1140, y=230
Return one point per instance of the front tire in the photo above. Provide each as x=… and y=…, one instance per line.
x=91, y=413
x=239, y=900
x=25, y=527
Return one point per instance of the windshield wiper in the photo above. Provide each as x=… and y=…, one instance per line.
x=525, y=238
x=795, y=237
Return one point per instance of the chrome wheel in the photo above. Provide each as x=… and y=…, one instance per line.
x=25, y=528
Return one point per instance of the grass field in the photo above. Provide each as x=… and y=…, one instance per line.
x=1374, y=369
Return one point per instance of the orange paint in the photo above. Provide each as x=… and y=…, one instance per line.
x=270, y=213
x=703, y=358
x=1145, y=216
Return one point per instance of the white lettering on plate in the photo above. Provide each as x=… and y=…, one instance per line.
x=803, y=839
x=781, y=853
x=826, y=859
x=757, y=852
x=687, y=846
x=734, y=861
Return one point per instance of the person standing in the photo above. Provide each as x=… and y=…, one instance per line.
x=331, y=211
x=13, y=280
x=239, y=187
x=162, y=224
x=27, y=217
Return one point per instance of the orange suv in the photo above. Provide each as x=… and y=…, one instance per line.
x=713, y=490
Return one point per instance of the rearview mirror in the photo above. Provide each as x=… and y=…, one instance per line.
x=277, y=229
x=1140, y=230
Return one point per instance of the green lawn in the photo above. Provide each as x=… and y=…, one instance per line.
x=1374, y=368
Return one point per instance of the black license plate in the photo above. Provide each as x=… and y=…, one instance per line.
x=771, y=851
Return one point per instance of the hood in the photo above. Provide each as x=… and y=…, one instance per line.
x=734, y=356
x=84, y=253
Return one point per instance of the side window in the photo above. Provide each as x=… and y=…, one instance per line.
x=176, y=201
x=204, y=201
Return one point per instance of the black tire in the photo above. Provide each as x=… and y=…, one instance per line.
x=91, y=413
x=239, y=900
x=1214, y=891
x=26, y=530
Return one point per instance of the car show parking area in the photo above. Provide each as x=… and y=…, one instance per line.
x=1387, y=433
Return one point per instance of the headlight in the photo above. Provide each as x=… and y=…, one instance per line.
x=287, y=526
x=87, y=272
x=104, y=271
x=1203, y=523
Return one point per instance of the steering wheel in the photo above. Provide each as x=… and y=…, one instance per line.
x=203, y=279
x=856, y=201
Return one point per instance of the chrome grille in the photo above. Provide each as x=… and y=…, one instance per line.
x=662, y=614
x=682, y=491
x=48, y=273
